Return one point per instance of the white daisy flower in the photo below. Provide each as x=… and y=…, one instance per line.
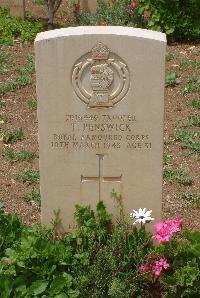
x=141, y=216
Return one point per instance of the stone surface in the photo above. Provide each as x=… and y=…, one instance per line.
x=17, y=7
x=100, y=110
x=89, y=5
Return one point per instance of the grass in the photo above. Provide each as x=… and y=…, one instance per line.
x=32, y=104
x=5, y=59
x=2, y=104
x=170, y=56
x=34, y=195
x=196, y=103
x=24, y=77
x=12, y=136
x=167, y=159
x=11, y=155
x=171, y=78
x=190, y=63
x=193, y=85
x=189, y=140
x=192, y=121
x=28, y=176
x=190, y=197
x=180, y=176
x=13, y=27
x=3, y=119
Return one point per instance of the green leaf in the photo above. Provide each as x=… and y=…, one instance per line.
x=2, y=205
x=38, y=287
x=61, y=295
x=59, y=282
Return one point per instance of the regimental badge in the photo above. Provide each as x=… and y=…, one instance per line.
x=100, y=78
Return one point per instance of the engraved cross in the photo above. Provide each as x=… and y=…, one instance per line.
x=100, y=178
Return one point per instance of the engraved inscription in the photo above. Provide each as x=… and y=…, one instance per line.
x=100, y=78
x=100, y=133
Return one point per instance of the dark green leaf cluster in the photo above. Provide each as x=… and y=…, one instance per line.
x=179, y=19
x=183, y=279
x=119, y=13
x=13, y=27
x=98, y=259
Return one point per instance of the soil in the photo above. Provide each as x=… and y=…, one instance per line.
x=18, y=114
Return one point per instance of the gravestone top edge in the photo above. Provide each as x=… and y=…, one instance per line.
x=101, y=30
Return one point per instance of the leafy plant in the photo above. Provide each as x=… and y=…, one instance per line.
x=11, y=155
x=192, y=121
x=23, y=78
x=189, y=140
x=13, y=27
x=3, y=119
x=191, y=197
x=180, y=176
x=178, y=19
x=28, y=175
x=193, y=85
x=190, y=63
x=167, y=159
x=34, y=195
x=196, y=103
x=12, y=136
x=170, y=56
x=98, y=259
x=32, y=104
x=121, y=12
x=5, y=60
x=171, y=78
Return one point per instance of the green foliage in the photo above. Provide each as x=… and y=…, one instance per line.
x=192, y=121
x=189, y=140
x=34, y=195
x=2, y=104
x=119, y=13
x=92, y=261
x=11, y=155
x=190, y=63
x=193, y=85
x=28, y=176
x=99, y=259
x=38, y=1
x=167, y=159
x=24, y=77
x=10, y=230
x=5, y=60
x=177, y=18
x=32, y=104
x=180, y=176
x=183, y=280
x=3, y=119
x=13, y=27
x=171, y=78
x=170, y=56
x=196, y=103
x=12, y=136
x=191, y=197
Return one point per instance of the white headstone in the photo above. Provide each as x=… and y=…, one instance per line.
x=100, y=111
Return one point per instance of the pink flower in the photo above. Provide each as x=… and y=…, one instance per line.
x=164, y=230
x=159, y=266
x=155, y=265
x=144, y=268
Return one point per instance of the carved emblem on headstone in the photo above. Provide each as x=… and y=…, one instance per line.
x=100, y=78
